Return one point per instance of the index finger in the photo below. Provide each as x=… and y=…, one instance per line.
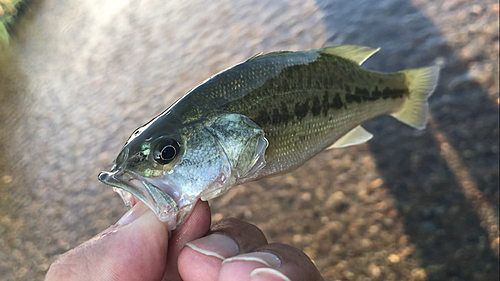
x=195, y=226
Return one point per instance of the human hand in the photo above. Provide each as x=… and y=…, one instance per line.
x=138, y=248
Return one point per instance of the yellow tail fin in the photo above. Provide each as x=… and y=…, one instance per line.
x=421, y=85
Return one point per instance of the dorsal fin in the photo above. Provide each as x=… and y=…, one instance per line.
x=356, y=136
x=273, y=54
x=255, y=56
x=356, y=53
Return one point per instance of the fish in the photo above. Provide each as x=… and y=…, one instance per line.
x=265, y=116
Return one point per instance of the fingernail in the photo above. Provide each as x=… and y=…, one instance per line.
x=215, y=245
x=134, y=213
x=267, y=274
x=264, y=258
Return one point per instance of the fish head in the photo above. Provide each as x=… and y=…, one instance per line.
x=169, y=167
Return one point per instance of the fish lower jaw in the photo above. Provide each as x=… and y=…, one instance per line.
x=167, y=208
x=133, y=188
x=173, y=217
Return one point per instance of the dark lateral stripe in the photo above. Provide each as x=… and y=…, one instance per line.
x=386, y=93
x=393, y=93
x=283, y=113
x=336, y=103
x=362, y=95
x=301, y=109
x=316, y=107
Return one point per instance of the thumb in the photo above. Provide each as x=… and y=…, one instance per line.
x=133, y=249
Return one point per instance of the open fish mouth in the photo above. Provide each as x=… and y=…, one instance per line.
x=131, y=187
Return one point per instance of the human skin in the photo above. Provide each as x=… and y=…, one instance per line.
x=138, y=247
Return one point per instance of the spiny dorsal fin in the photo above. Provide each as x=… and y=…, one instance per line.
x=356, y=53
x=256, y=55
x=273, y=54
x=356, y=136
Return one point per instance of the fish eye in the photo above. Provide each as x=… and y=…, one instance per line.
x=166, y=151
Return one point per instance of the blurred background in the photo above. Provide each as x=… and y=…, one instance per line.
x=77, y=77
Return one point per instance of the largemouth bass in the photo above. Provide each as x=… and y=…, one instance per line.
x=261, y=117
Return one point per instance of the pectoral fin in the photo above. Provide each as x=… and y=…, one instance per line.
x=355, y=53
x=356, y=136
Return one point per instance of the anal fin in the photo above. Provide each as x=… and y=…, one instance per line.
x=356, y=136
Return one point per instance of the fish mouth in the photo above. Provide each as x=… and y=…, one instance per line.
x=132, y=187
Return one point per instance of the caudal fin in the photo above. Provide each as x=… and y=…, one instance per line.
x=421, y=85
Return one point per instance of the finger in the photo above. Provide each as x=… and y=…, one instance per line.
x=133, y=249
x=270, y=262
x=195, y=226
x=202, y=258
x=246, y=235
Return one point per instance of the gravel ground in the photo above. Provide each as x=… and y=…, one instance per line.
x=80, y=76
